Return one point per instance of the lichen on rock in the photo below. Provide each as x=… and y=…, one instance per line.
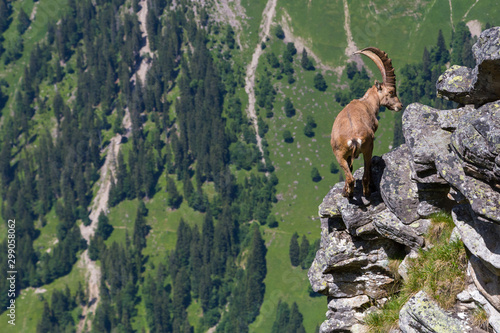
x=451, y=161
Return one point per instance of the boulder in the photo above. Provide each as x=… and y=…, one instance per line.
x=422, y=315
x=349, y=266
x=493, y=314
x=401, y=194
x=484, y=200
x=424, y=136
x=455, y=84
x=488, y=284
x=477, y=142
x=480, y=236
x=389, y=226
x=448, y=119
x=479, y=85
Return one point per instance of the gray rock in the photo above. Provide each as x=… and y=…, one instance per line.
x=405, y=265
x=455, y=84
x=483, y=199
x=479, y=85
x=455, y=235
x=349, y=266
x=338, y=322
x=448, y=119
x=465, y=297
x=401, y=194
x=336, y=304
x=423, y=135
x=421, y=226
x=480, y=236
x=354, y=213
x=422, y=315
x=477, y=142
x=487, y=283
x=389, y=226
x=493, y=314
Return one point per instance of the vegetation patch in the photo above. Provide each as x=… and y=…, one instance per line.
x=439, y=270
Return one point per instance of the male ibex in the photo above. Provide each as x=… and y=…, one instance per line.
x=354, y=128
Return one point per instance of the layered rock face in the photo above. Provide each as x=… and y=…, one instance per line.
x=451, y=161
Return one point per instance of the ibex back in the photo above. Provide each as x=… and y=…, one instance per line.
x=354, y=128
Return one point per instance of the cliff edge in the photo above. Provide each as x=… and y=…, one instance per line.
x=450, y=162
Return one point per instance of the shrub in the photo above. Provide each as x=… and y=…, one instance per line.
x=319, y=82
x=316, y=177
x=287, y=136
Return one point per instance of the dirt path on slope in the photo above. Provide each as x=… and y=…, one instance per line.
x=232, y=12
x=351, y=45
x=265, y=27
x=100, y=202
x=145, y=64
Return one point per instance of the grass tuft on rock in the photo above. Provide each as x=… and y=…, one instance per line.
x=440, y=271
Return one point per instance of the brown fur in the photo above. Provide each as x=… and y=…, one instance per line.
x=358, y=122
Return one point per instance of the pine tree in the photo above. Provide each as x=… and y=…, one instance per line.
x=296, y=320
x=23, y=21
x=174, y=199
x=104, y=229
x=255, y=274
x=294, y=250
x=334, y=168
x=289, y=109
x=305, y=62
x=304, y=250
x=316, y=177
x=279, y=32
x=282, y=320
x=4, y=15
x=141, y=229
x=287, y=136
x=319, y=82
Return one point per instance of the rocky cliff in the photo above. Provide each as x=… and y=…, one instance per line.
x=451, y=162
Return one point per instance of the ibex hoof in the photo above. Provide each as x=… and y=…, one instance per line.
x=347, y=194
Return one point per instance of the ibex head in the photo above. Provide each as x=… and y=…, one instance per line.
x=387, y=89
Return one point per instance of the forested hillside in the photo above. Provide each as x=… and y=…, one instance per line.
x=146, y=196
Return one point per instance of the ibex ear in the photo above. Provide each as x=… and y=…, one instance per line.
x=378, y=85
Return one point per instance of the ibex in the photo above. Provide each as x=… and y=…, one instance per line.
x=354, y=128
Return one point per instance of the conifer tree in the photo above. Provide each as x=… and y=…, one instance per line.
x=294, y=250
x=304, y=249
x=23, y=21
x=305, y=62
x=319, y=82
x=316, y=177
x=141, y=230
x=289, y=109
x=174, y=199
x=104, y=229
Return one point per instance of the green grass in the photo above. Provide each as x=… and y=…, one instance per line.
x=321, y=24
x=439, y=271
x=29, y=304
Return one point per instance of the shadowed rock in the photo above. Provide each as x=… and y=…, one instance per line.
x=483, y=199
x=479, y=236
x=477, y=142
x=479, y=85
